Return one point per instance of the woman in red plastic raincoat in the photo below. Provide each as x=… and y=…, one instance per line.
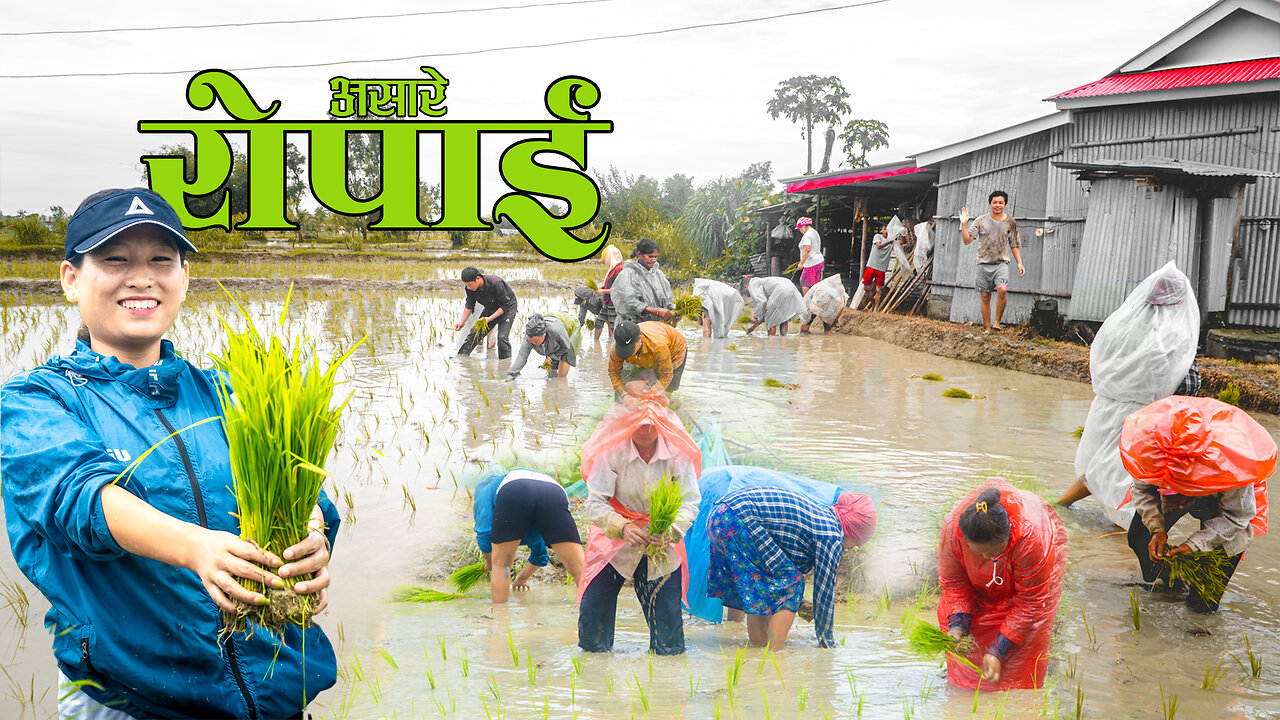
x=1197, y=457
x=1000, y=564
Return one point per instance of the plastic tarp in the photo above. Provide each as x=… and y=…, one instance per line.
x=827, y=299
x=722, y=302
x=1199, y=446
x=1141, y=354
x=775, y=300
x=714, y=484
x=924, y=246
x=893, y=230
x=1015, y=595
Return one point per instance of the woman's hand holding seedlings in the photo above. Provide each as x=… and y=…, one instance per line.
x=310, y=557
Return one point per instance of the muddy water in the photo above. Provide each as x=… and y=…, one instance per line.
x=422, y=419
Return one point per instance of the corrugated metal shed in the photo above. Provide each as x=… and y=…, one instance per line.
x=1205, y=75
x=1163, y=167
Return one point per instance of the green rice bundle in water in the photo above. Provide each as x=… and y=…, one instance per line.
x=415, y=594
x=280, y=421
x=465, y=578
x=956, y=392
x=480, y=329
x=1205, y=572
x=665, y=500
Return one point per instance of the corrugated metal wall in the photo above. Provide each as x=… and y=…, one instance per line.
x=1241, y=131
x=1132, y=231
x=1215, y=256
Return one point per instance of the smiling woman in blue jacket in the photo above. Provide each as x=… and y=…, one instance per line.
x=136, y=571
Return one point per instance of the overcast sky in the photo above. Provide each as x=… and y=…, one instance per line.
x=692, y=102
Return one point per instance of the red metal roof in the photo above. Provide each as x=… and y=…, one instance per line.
x=1221, y=74
x=846, y=178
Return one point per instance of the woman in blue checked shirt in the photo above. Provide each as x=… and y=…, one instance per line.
x=765, y=540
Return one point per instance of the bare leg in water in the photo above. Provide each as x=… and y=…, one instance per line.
x=1077, y=491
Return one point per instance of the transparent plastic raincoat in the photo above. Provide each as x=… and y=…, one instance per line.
x=722, y=303
x=1141, y=354
x=775, y=300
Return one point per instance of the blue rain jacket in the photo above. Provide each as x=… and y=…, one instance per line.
x=715, y=483
x=485, y=498
x=145, y=631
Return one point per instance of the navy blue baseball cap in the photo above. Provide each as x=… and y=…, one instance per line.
x=106, y=214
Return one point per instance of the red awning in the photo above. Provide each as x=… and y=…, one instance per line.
x=848, y=178
x=1221, y=74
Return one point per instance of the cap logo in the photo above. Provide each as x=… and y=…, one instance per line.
x=137, y=208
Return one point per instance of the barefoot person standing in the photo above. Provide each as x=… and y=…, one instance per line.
x=997, y=235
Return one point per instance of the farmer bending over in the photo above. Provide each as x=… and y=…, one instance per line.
x=523, y=507
x=653, y=345
x=499, y=305
x=555, y=336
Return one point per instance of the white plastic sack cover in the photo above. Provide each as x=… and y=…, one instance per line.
x=775, y=300
x=924, y=246
x=827, y=299
x=722, y=302
x=1140, y=355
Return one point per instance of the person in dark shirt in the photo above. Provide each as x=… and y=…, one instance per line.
x=499, y=306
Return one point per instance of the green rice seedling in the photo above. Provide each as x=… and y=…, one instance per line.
x=511, y=643
x=640, y=692
x=390, y=660
x=464, y=663
x=1168, y=703
x=1078, y=432
x=479, y=330
x=1135, y=610
x=765, y=696
x=802, y=697
x=530, y=667
x=732, y=347
x=415, y=594
x=281, y=423
x=1089, y=631
x=777, y=668
x=1230, y=395
x=1072, y=664
x=932, y=376
x=733, y=671
x=1205, y=572
x=444, y=650
x=579, y=661
x=465, y=578
x=590, y=324
x=1212, y=676
x=1255, y=660
x=664, y=504
x=956, y=392
x=1079, y=701
x=494, y=691
x=591, y=284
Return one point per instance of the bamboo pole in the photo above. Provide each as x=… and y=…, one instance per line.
x=915, y=280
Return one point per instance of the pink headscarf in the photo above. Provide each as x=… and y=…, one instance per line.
x=857, y=516
x=612, y=256
x=803, y=221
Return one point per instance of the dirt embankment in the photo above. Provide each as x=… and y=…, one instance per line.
x=1016, y=349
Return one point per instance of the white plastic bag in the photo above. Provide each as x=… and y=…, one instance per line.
x=924, y=246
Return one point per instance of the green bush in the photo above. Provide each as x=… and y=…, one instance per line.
x=28, y=230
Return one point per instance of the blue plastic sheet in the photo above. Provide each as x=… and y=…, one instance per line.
x=715, y=483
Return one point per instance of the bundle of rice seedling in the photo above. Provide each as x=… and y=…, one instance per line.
x=415, y=594
x=590, y=324
x=688, y=305
x=281, y=423
x=1230, y=395
x=465, y=578
x=770, y=382
x=480, y=329
x=956, y=392
x=664, y=504
x=925, y=639
x=1205, y=572
x=932, y=376
x=592, y=284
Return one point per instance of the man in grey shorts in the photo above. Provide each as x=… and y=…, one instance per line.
x=997, y=235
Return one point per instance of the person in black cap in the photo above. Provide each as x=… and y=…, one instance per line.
x=499, y=304
x=653, y=345
x=641, y=290
x=94, y=542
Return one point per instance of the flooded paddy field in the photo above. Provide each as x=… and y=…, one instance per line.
x=422, y=421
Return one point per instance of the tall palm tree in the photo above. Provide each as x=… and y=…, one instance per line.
x=810, y=99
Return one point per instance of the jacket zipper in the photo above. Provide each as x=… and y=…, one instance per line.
x=84, y=655
x=199, y=498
